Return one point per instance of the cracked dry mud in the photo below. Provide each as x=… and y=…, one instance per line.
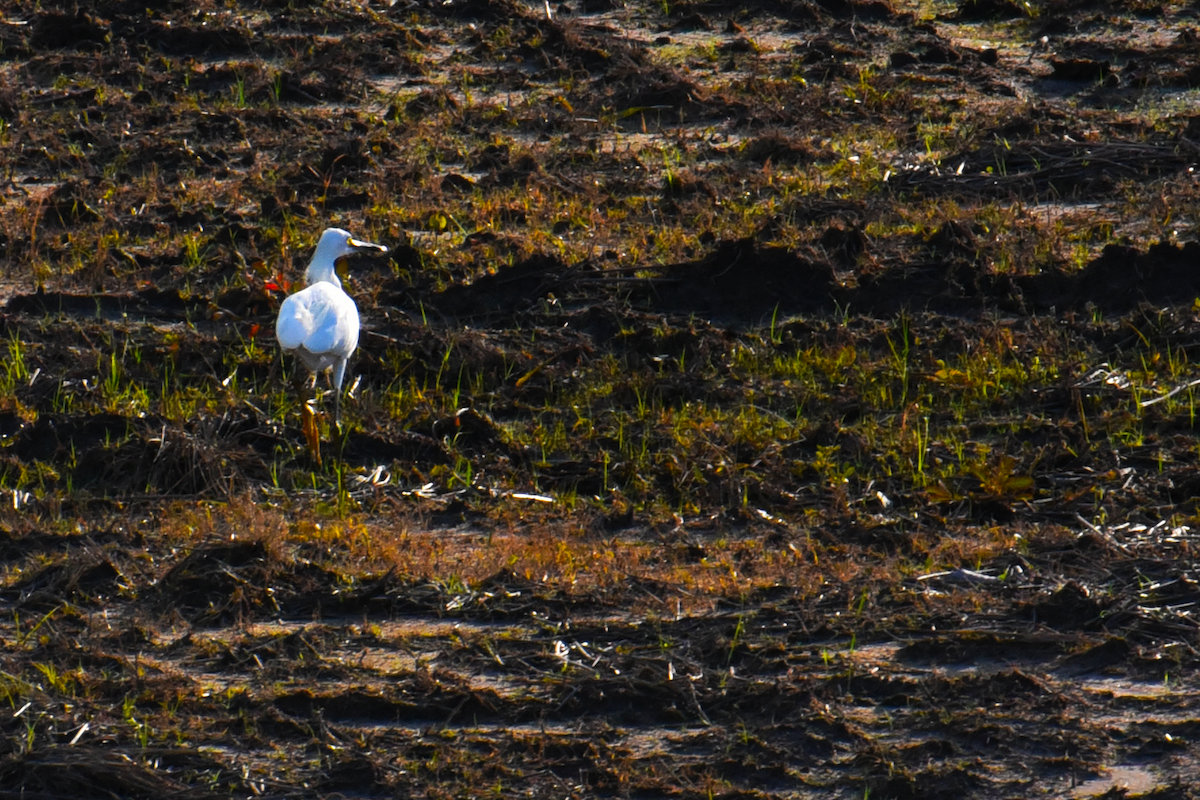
x=760, y=399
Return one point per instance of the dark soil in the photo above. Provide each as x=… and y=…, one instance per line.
x=759, y=399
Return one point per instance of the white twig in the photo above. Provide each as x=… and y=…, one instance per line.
x=1171, y=393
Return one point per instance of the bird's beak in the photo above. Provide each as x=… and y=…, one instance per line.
x=361, y=245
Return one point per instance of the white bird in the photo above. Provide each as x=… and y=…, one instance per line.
x=320, y=322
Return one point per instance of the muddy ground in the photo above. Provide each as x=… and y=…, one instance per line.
x=761, y=399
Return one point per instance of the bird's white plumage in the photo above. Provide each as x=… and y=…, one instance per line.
x=320, y=322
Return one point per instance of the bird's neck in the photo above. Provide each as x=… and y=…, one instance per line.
x=316, y=274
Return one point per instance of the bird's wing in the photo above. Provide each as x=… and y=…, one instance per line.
x=294, y=323
x=321, y=318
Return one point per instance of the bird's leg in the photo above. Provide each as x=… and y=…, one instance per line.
x=335, y=380
x=301, y=385
x=308, y=421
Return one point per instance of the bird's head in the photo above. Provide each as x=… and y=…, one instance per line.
x=335, y=243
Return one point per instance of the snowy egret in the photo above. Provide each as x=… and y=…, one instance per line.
x=320, y=322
